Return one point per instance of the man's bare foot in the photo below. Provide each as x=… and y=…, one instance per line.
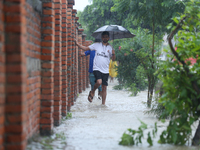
x=90, y=96
x=100, y=95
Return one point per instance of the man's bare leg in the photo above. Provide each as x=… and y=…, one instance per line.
x=97, y=84
x=104, y=93
x=100, y=94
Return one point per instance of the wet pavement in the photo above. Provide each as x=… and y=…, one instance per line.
x=97, y=127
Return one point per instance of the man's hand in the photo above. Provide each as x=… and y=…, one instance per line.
x=75, y=41
x=82, y=54
x=85, y=48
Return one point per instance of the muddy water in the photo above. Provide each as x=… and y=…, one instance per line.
x=97, y=127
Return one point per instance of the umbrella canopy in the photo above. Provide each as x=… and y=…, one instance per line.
x=115, y=31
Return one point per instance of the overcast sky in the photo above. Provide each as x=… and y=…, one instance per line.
x=80, y=4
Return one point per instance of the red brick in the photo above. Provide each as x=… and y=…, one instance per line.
x=46, y=121
x=47, y=65
x=15, y=98
x=18, y=146
x=48, y=11
x=14, y=8
x=46, y=127
x=10, y=89
x=47, y=103
x=16, y=108
x=17, y=118
x=15, y=68
x=14, y=128
x=49, y=37
x=47, y=97
x=47, y=73
x=48, y=31
x=47, y=51
x=2, y=130
x=15, y=18
x=15, y=29
x=50, y=5
x=48, y=19
x=48, y=24
x=47, y=57
x=46, y=109
x=46, y=115
x=15, y=138
x=2, y=119
x=47, y=44
x=15, y=58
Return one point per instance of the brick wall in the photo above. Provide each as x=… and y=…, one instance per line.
x=76, y=59
x=64, y=58
x=2, y=76
x=69, y=52
x=84, y=66
x=33, y=80
x=41, y=71
x=47, y=67
x=80, y=61
x=58, y=63
x=73, y=83
x=16, y=73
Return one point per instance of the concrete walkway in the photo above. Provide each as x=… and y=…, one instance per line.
x=97, y=127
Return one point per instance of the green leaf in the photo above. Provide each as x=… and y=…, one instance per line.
x=126, y=140
x=149, y=140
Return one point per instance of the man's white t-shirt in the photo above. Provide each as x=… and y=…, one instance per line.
x=102, y=57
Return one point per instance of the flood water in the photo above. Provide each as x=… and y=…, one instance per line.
x=97, y=127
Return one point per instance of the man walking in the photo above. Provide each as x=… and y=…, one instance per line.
x=91, y=75
x=104, y=52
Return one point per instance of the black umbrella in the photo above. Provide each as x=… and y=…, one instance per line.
x=115, y=31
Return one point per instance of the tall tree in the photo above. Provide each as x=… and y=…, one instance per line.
x=99, y=14
x=156, y=13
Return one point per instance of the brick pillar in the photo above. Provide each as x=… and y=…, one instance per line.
x=47, y=67
x=73, y=84
x=87, y=66
x=57, y=64
x=15, y=48
x=76, y=59
x=33, y=83
x=2, y=76
x=69, y=52
x=64, y=58
x=84, y=62
x=80, y=61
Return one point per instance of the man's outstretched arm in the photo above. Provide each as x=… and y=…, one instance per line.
x=85, y=48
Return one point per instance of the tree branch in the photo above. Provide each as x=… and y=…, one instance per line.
x=185, y=66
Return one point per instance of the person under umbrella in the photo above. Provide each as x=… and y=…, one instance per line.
x=104, y=52
x=115, y=32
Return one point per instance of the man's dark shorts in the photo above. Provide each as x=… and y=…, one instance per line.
x=103, y=76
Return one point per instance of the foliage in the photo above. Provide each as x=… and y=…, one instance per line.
x=118, y=87
x=69, y=116
x=155, y=13
x=134, y=137
x=146, y=12
x=46, y=142
x=158, y=110
x=181, y=81
x=98, y=14
x=134, y=63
